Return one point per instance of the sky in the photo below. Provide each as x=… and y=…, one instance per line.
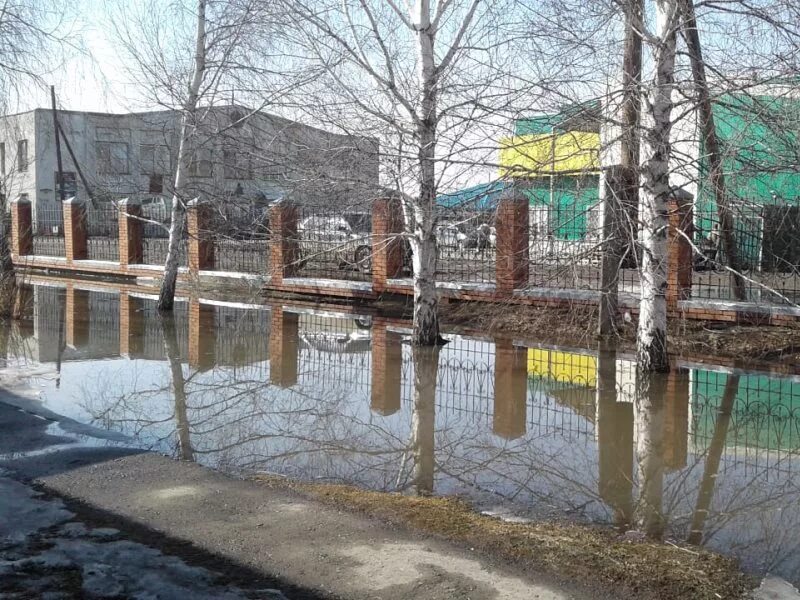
x=94, y=76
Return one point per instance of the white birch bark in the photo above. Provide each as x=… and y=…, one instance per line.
x=423, y=244
x=649, y=511
x=166, y=297
x=426, y=368
x=652, y=333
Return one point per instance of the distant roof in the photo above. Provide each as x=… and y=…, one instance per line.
x=584, y=116
x=482, y=197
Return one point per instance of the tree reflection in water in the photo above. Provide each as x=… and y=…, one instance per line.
x=702, y=454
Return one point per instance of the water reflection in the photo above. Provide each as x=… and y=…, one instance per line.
x=707, y=453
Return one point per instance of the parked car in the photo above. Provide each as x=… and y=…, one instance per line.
x=347, y=237
x=464, y=235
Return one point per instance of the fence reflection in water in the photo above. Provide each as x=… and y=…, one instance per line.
x=334, y=396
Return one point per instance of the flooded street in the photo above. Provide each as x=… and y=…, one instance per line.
x=519, y=428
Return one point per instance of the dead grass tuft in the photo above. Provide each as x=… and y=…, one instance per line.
x=596, y=556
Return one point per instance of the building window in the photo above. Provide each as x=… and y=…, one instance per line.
x=70, y=184
x=154, y=159
x=22, y=155
x=112, y=158
x=236, y=164
x=200, y=164
x=156, y=184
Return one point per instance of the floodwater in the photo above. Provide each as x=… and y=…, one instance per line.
x=520, y=428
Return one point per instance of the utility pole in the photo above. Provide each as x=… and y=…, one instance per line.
x=56, y=128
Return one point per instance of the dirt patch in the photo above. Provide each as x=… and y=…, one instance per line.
x=595, y=556
x=576, y=326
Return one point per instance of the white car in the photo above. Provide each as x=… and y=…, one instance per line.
x=344, y=238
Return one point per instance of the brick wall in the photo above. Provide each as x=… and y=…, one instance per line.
x=75, y=232
x=512, y=265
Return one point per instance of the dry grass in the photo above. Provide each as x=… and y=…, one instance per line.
x=593, y=555
x=576, y=326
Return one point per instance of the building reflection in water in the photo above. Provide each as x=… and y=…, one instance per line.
x=707, y=453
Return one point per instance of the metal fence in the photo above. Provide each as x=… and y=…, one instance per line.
x=335, y=243
x=48, y=231
x=466, y=244
x=102, y=228
x=766, y=242
x=241, y=238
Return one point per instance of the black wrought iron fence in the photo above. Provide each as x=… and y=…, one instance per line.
x=766, y=248
x=48, y=231
x=240, y=233
x=466, y=245
x=335, y=242
x=102, y=227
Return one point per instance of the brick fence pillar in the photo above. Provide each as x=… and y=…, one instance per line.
x=387, y=369
x=75, y=234
x=131, y=326
x=511, y=269
x=21, y=227
x=387, y=246
x=676, y=419
x=283, y=347
x=202, y=335
x=510, y=390
x=76, y=317
x=679, y=249
x=130, y=233
x=283, y=243
x=201, y=241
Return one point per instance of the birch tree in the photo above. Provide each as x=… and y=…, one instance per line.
x=656, y=190
x=166, y=296
x=438, y=83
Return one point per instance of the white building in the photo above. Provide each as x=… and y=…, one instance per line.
x=251, y=155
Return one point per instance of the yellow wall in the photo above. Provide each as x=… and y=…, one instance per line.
x=529, y=155
x=565, y=367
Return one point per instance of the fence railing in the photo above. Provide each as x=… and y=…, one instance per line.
x=555, y=247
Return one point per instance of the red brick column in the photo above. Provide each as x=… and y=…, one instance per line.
x=676, y=419
x=131, y=323
x=76, y=317
x=201, y=242
x=510, y=390
x=283, y=347
x=130, y=233
x=387, y=246
x=21, y=228
x=512, y=242
x=283, y=245
x=75, y=233
x=387, y=369
x=679, y=249
x=202, y=335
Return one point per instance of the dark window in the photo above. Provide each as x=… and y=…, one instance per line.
x=200, y=165
x=22, y=155
x=70, y=184
x=112, y=158
x=154, y=159
x=236, y=164
x=156, y=184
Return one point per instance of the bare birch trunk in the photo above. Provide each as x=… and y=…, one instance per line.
x=7, y=275
x=426, y=302
x=426, y=368
x=656, y=190
x=649, y=512
x=166, y=297
x=172, y=350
